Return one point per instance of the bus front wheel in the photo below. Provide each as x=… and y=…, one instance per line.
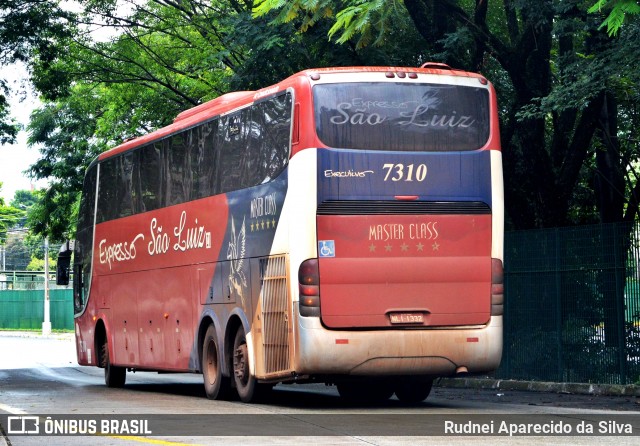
x=114, y=376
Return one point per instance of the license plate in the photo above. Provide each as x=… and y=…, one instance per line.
x=406, y=318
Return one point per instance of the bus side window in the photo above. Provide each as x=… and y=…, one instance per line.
x=108, y=191
x=83, y=251
x=125, y=192
x=274, y=153
x=268, y=145
x=203, y=160
x=253, y=174
x=179, y=171
x=232, y=140
x=150, y=177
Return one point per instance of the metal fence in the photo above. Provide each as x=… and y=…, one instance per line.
x=26, y=280
x=572, y=308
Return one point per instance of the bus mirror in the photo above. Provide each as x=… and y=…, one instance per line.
x=64, y=263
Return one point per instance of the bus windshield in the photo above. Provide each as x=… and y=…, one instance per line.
x=402, y=116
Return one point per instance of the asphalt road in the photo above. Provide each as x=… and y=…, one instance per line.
x=40, y=378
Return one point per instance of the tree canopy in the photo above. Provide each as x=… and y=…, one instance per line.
x=27, y=29
x=619, y=9
x=562, y=84
x=154, y=59
x=568, y=90
x=10, y=217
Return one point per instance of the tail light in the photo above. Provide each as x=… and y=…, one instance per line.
x=497, y=288
x=309, y=286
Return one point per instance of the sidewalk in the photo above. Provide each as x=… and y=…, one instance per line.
x=540, y=386
x=36, y=334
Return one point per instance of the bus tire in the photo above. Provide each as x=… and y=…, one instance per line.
x=411, y=390
x=114, y=376
x=214, y=382
x=245, y=383
x=365, y=390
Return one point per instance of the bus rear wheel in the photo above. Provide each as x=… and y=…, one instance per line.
x=215, y=384
x=365, y=390
x=411, y=390
x=245, y=383
x=114, y=376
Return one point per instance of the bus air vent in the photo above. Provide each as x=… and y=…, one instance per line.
x=275, y=314
x=435, y=65
x=365, y=207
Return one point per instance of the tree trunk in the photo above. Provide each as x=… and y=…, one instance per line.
x=610, y=192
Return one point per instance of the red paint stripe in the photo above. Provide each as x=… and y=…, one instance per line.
x=342, y=341
x=473, y=340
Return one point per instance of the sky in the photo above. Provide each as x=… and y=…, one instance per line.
x=16, y=158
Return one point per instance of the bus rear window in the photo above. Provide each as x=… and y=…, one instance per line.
x=402, y=117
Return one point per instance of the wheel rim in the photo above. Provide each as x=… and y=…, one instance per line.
x=240, y=365
x=211, y=365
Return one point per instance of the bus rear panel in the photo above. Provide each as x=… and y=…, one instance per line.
x=408, y=225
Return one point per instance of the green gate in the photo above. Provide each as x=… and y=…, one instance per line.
x=572, y=305
x=24, y=309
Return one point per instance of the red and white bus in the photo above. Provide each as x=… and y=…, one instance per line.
x=343, y=226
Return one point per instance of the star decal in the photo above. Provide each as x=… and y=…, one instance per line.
x=404, y=247
x=260, y=225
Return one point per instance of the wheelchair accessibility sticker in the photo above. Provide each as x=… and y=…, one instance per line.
x=326, y=248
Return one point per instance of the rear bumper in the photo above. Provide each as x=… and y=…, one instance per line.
x=435, y=352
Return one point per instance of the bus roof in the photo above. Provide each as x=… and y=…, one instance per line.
x=231, y=101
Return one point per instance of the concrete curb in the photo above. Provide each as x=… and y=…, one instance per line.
x=540, y=386
x=36, y=335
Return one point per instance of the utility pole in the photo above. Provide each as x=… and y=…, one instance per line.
x=3, y=274
x=46, y=325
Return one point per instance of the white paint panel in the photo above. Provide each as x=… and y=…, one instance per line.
x=497, y=204
x=296, y=232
